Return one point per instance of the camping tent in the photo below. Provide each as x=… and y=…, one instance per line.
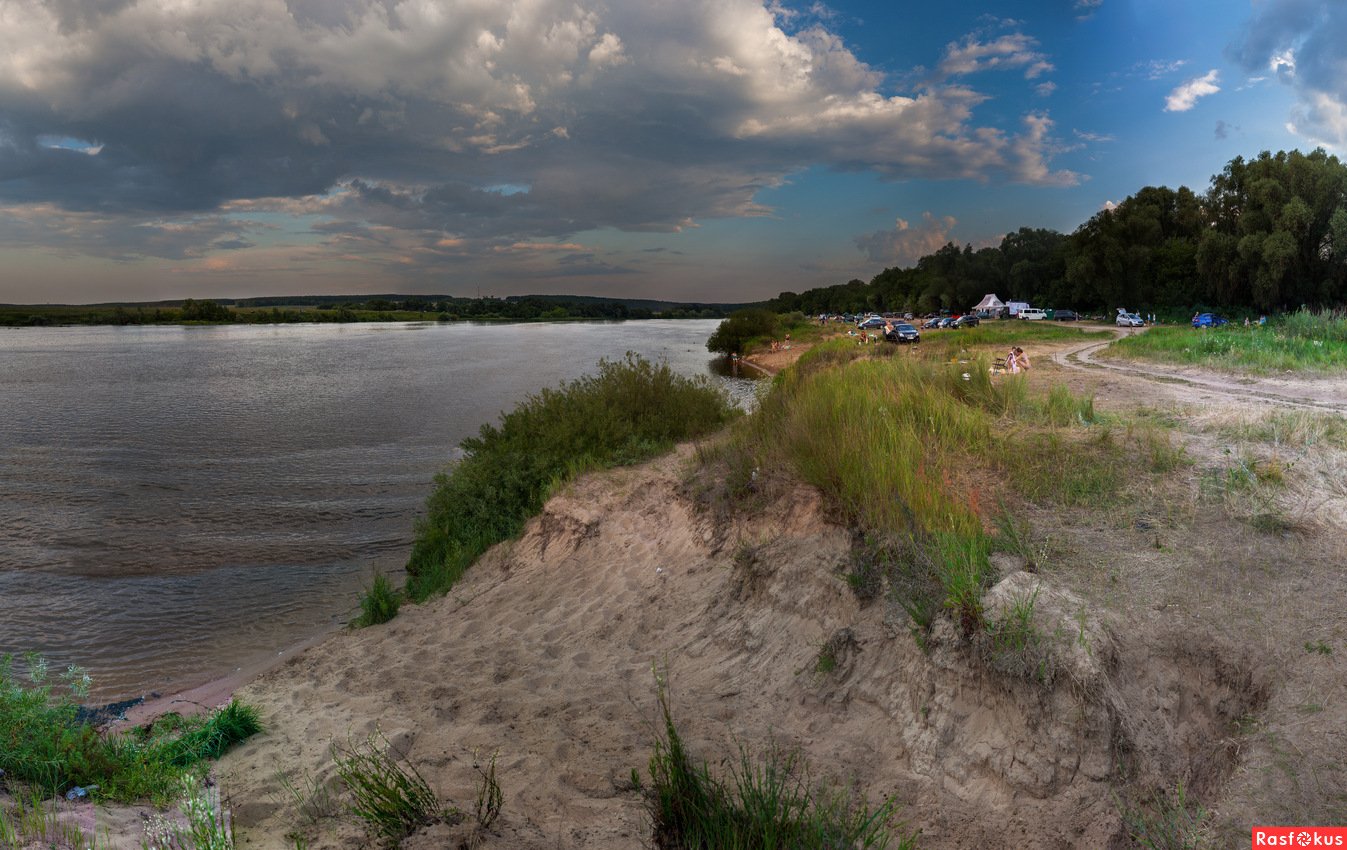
x=989, y=303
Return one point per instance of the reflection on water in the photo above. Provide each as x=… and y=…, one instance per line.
x=181, y=500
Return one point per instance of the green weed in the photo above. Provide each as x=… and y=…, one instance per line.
x=1318, y=647
x=765, y=803
x=379, y=604
x=43, y=743
x=208, y=827
x=311, y=798
x=1167, y=822
x=489, y=796
x=1012, y=644
x=35, y=821
x=392, y=799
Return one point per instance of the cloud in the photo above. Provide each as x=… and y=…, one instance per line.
x=389, y=126
x=1086, y=8
x=1184, y=97
x=1093, y=137
x=1012, y=51
x=1301, y=43
x=903, y=244
x=1157, y=68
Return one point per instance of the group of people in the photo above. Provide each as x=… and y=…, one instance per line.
x=1017, y=361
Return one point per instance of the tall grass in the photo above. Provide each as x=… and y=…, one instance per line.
x=631, y=410
x=913, y=453
x=996, y=335
x=379, y=604
x=44, y=744
x=765, y=803
x=1301, y=341
x=35, y=822
x=392, y=799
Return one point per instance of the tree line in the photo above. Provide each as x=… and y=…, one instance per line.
x=1269, y=234
x=327, y=309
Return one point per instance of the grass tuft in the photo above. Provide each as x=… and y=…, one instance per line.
x=392, y=799
x=379, y=604
x=1168, y=822
x=765, y=803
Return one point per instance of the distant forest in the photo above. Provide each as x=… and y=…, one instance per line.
x=370, y=308
x=1270, y=234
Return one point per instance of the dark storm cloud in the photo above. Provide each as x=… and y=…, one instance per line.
x=1302, y=43
x=642, y=116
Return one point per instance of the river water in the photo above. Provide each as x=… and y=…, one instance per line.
x=178, y=501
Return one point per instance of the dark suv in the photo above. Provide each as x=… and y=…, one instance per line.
x=969, y=321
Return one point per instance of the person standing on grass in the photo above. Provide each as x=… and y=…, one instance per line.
x=1013, y=362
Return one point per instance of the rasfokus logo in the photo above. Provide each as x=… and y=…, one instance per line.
x=1300, y=836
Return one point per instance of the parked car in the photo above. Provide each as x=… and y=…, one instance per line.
x=872, y=323
x=902, y=332
x=1129, y=320
x=1030, y=314
x=1065, y=316
x=931, y=324
x=1209, y=320
x=968, y=321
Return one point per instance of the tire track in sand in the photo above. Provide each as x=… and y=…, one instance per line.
x=1321, y=395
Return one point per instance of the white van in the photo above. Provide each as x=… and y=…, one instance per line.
x=1031, y=313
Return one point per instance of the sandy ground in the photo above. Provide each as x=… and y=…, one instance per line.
x=1186, y=651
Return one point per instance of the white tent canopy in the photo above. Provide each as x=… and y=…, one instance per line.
x=990, y=303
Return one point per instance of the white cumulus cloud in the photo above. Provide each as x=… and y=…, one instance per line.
x=1185, y=96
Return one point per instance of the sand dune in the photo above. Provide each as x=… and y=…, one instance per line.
x=544, y=654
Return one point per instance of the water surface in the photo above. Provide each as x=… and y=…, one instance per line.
x=178, y=501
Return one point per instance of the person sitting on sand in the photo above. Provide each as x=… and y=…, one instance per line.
x=1021, y=360
x=1013, y=362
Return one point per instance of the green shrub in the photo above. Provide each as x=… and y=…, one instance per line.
x=737, y=332
x=630, y=411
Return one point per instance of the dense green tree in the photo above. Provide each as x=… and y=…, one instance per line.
x=1277, y=233
x=742, y=326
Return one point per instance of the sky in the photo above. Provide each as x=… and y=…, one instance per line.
x=688, y=150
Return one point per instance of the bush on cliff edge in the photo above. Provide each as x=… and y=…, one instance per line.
x=631, y=410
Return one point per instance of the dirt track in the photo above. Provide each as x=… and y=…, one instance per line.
x=1323, y=394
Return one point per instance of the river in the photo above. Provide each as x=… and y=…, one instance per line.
x=180, y=501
